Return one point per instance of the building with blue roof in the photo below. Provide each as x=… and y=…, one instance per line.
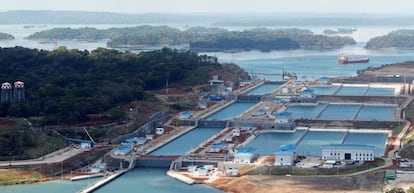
x=245, y=155
x=284, y=121
x=348, y=152
x=185, y=115
x=285, y=155
x=218, y=147
x=85, y=144
x=323, y=80
x=305, y=96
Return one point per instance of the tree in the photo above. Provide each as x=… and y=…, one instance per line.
x=396, y=190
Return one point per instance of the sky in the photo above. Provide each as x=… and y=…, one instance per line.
x=215, y=6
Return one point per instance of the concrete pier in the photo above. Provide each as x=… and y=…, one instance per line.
x=84, y=177
x=321, y=111
x=180, y=177
x=344, y=137
x=357, y=112
x=102, y=182
x=301, y=137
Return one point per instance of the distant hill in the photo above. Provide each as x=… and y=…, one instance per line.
x=230, y=19
x=4, y=36
x=83, y=17
x=403, y=38
x=200, y=38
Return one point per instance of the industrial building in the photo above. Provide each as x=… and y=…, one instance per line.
x=348, y=152
x=285, y=155
x=245, y=155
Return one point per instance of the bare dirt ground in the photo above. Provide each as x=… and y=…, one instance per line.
x=14, y=176
x=365, y=183
x=403, y=180
x=391, y=70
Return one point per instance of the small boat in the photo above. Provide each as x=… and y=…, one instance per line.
x=346, y=60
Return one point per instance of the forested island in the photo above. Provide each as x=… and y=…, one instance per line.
x=63, y=86
x=200, y=38
x=399, y=39
x=339, y=31
x=5, y=36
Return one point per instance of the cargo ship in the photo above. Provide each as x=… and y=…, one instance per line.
x=346, y=60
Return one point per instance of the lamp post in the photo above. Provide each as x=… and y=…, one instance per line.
x=10, y=161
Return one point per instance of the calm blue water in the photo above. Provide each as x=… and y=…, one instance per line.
x=312, y=63
x=372, y=91
x=186, y=142
x=152, y=181
x=61, y=186
x=263, y=89
x=230, y=111
x=268, y=143
x=305, y=111
x=339, y=112
x=352, y=91
x=376, y=139
x=382, y=113
x=311, y=143
x=342, y=112
x=324, y=90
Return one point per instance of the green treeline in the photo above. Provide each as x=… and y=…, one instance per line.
x=64, y=85
x=398, y=39
x=201, y=38
x=4, y=36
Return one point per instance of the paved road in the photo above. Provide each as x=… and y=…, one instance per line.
x=54, y=157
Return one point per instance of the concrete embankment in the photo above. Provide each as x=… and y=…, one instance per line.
x=84, y=177
x=180, y=177
x=103, y=181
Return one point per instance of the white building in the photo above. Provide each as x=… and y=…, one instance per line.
x=245, y=155
x=348, y=152
x=159, y=130
x=285, y=155
x=236, y=132
x=323, y=80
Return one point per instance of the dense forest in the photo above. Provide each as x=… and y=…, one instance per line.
x=200, y=38
x=399, y=39
x=63, y=86
x=4, y=36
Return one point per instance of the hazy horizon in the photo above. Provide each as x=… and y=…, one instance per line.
x=396, y=7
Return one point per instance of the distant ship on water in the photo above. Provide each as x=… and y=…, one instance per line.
x=347, y=60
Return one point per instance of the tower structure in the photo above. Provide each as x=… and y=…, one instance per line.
x=18, y=92
x=6, y=92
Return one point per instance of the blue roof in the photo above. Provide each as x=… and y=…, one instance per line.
x=323, y=78
x=246, y=151
x=246, y=126
x=220, y=144
x=186, y=113
x=136, y=139
x=78, y=140
x=345, y=146
x=307, y=91
x=286, y=149
x=283, y=114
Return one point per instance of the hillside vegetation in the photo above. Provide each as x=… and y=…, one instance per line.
x=4, y=36
x=398, y=39
x=63, y=86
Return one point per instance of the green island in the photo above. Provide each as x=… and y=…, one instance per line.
x=339, y=31
x=5, y=36
x=403, y=38
x=200, y=38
